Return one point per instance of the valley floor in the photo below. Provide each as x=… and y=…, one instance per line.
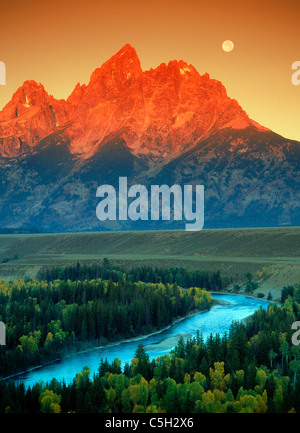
x=232, y=251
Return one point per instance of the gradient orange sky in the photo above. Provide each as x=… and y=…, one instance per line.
x=60, y=43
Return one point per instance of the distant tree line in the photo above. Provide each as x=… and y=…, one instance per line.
x=211, y=281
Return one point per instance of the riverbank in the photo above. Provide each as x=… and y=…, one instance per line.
x=140, y=337
x=216, y=320
x=105, y=346
x=250, y=296
x=247, y=295
x=168, y=343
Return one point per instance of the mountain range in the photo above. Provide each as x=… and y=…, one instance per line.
x=169, y=125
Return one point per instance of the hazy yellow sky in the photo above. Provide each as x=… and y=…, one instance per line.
x=60, y=43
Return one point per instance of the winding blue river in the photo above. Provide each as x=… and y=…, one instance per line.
x=216, y=320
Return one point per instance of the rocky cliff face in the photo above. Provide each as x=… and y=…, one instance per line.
x=30, y=116
x=159, y=113
x=167, y=125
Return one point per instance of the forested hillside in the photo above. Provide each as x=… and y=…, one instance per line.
x=253, y=369
x=47, y=319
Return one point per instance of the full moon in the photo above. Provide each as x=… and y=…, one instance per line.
x=228, y=46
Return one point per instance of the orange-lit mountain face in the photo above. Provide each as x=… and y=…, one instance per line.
x=159, y=113
x=169, y=125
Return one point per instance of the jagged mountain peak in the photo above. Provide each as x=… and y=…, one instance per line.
x=127, y=50
x=119, y=71
x=76, y=95
x=28, y=95
x=169, y=125
x=159, y=113
x=31, y=115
